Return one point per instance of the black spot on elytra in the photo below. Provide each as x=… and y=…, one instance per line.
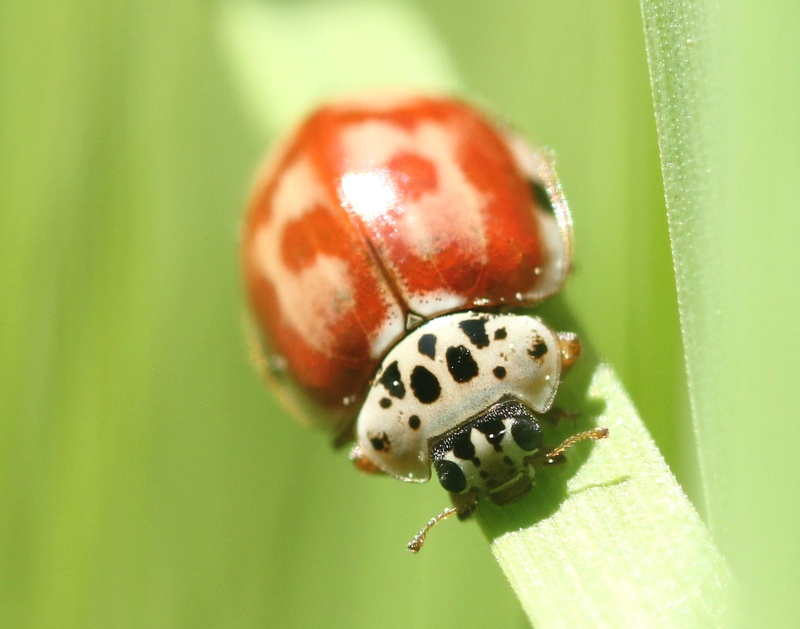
x=507, y=460
x=540, y=195
x=427, y=345
x=494, y=430
x=461, y=364
x=380, y=442
x=462, y=446
x=484, y=474
x=385, y=402
x=499, y=372
x=500, y=334
x=425, y=385
x=414, y=422
x=393, y=382
x=475, y=329
x=539, y=348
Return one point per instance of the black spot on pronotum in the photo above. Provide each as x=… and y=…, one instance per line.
x=508, y=461
x=385, y=402
x=450, y=476
x=499, y=372
x=380, y=442
x=484, y=474
x=475, y=329
x=425, y=385
x=393, y=382
x=494, y=430
x=539, y=348
x=427, y=345
x=527, y=433
x=500, y=334
x=461, y=364
x=462, y=446
x=539, y=194
x=414, y=422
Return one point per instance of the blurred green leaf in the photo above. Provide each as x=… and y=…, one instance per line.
x=287, y=58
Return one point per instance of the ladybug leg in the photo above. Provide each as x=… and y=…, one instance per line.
x=362, y=463
x=570, y=349
x=465, y=506
x=555, y=415
x=555, y=455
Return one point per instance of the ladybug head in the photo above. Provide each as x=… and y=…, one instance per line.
x=491, y=454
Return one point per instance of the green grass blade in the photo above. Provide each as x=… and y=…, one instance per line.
x=726, y=90
x=681, y=50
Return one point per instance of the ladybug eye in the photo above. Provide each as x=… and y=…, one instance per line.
x=450, y=476
x=540, y=195
x=526, y=433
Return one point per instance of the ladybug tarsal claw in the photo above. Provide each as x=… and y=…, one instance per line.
x=415, y=545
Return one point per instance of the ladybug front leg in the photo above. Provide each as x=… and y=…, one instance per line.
x=570, y=346
x=466, y=504
x=362, y=463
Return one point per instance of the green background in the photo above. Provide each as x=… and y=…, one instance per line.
x=146, y=476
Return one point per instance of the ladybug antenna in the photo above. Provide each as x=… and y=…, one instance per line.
x=594, y=433
x=419, y=539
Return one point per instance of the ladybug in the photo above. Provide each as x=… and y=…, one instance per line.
x=389, y=247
